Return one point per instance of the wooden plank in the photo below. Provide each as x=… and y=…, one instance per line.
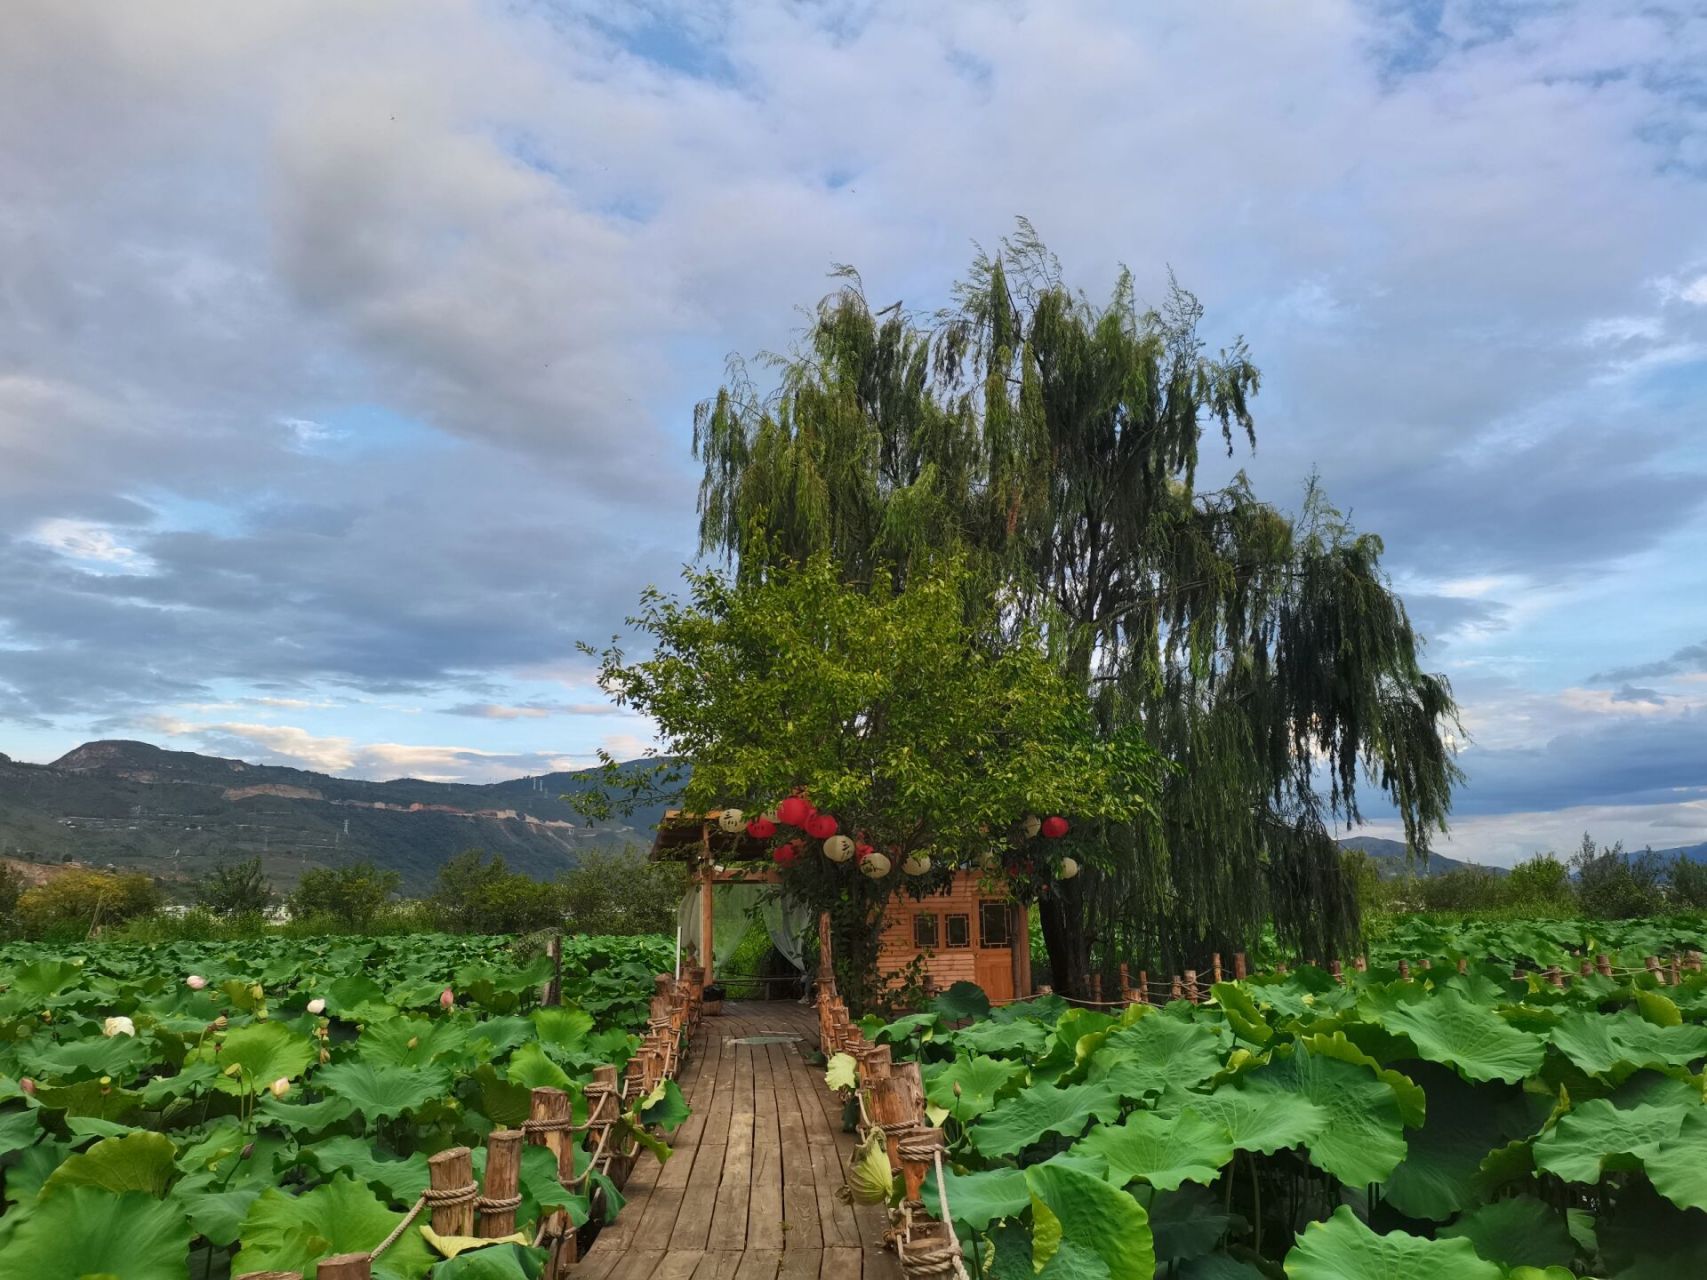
x=764, y=1214
x=638, y=1265
x=836, y=1220
x=839, y=1264
x=680, y=1264
x=729, y=1215
x=759, y=1264
x=799, y=1186
x=600, y=1261
x=801, y=1264
x=693, y=1222
x=718, y=1264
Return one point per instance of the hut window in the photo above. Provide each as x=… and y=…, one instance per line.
x=924, y=930
x=993, y=925
x=958, y=930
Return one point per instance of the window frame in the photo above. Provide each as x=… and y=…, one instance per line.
x=1007, y=927
x=948, y=942
x=935, y=941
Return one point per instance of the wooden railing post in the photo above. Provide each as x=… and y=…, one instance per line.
x=449, y=1171
x=498, y=1203
x=345, y=1266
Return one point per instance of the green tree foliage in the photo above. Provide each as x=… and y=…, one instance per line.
x=1688, y=880
x=621, y=892
x=78, y=901
x=921, y=725
x=477, y=896
x=11, y=889
x=1614, y=885
x=236, y=889
x=348, y=896
x=1541, y=884
x=1055, y=444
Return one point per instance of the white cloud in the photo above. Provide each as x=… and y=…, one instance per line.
x=95, y=549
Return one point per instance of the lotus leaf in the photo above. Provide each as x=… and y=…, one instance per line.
x=1342, y=1248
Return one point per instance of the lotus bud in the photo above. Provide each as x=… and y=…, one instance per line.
x=446, y=998
x=414, y=1042
x=325, y=1056
x=195, y=982
x=248, y=1150
x=957, y=1088
x=317, y=1006
x=258, y=992
x=219, y=1024
x=27, y=1085
x=279, y=1087
x=119, y=1026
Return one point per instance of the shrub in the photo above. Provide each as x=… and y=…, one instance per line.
x=1614, y=885
x=476, y=896
x=623, y=893
x=1540, y=884
x=236, y=889
x=349, y=896
x=79, y=901
x=1689, y=883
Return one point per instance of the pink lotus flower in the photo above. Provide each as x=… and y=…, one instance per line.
x=446, y=998
x=27, y=1085
x=195, y=982
x=280, y=1087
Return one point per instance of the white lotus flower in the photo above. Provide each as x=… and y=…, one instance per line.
x=317, y=1006
x=195, y=982
x=279, y=1087
x=118, y=1027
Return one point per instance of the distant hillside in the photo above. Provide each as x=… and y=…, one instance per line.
x=1389, y=858
x=175, y=813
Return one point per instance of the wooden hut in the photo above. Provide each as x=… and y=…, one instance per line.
x=962, y=933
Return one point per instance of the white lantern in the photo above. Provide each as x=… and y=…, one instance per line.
x=991, y=860
x=1032, y=825
x=1069, y=868
x=875, y=866
x=732, y=820
x=917, y=864
x=838, y=848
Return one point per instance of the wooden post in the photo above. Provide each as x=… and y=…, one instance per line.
x=1586, y=967
x=343, y=1266
x=1338, y=970
x=1239, y=965
x=1096, y=988
x=503, y=1181
x=1361, y=964
x=1463, y=964
x=548, y=1127
x=1175, y=991
x=1405, y=970
x=1143, y=986
x=1191, y=985
x=1676, y=970
x=553, y=994
x=918, y=1146
x=705, y=913
x=1020, y=931
x=451, y=1170
x=1603, y=965
x=1125, y=984
x=892, y=1111
x=1215, y=965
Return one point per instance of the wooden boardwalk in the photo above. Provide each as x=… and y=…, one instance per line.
x=750, y=1191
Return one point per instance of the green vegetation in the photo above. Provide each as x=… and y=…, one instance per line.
x=927, y=728
x=1452, y=1125
x=1052, y=445
x=191, y=1108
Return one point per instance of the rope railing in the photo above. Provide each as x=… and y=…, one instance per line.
x=455, y=1198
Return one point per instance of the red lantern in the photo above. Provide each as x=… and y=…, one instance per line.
x=761, y=828
x=1056, y=827
x=820, y=826
x=794, y=811
x=786, y=854
x=862, y=852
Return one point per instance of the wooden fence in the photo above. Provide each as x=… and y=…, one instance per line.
x=458, y=1205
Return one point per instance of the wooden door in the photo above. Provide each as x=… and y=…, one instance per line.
x=993, y=960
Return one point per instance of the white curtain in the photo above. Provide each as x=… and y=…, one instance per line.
x=786, y=920
x=731, y=914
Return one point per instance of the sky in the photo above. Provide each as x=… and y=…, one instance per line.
x=348, y=352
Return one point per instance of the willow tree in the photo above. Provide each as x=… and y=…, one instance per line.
x=1055, y=444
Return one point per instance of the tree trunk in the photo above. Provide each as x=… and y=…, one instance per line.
x=1064, y=937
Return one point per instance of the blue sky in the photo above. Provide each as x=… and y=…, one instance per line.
x=347, y=355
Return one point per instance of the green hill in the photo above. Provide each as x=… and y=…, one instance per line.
x=176, y=813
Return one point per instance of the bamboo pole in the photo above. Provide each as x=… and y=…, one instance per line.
x=503, y=1182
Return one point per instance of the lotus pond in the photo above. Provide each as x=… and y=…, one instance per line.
x=208, y=1109
x=1452, y=1126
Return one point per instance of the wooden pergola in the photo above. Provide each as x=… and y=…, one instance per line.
x=719, y=857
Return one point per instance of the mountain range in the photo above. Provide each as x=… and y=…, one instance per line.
x=177, y=813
